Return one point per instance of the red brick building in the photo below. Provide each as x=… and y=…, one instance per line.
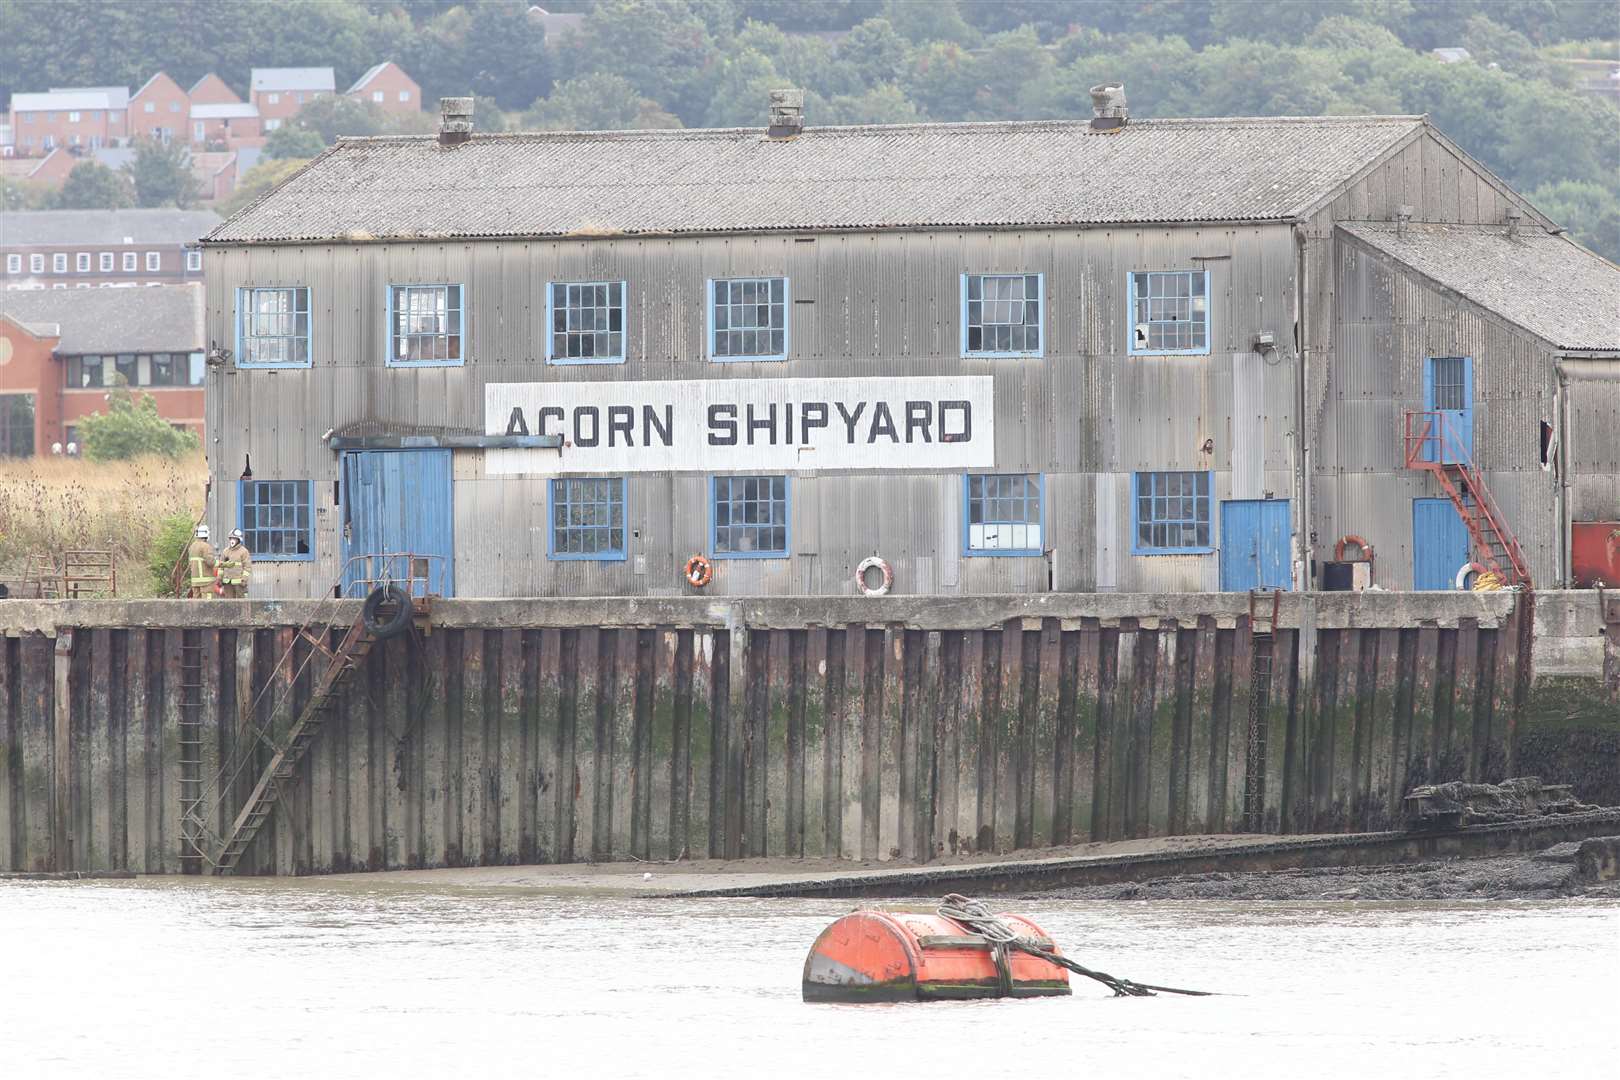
x=160, y=109
x=278, y=93
x=60, y=353
x=213, y=90
x=70, y=249
x=88, y=117
x=389, y=88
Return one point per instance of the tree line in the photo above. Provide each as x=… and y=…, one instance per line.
x=667, y=63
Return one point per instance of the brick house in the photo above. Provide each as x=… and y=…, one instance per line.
x=61, y=249
x=59, y=355
x=387, y=86
x=49, y=172
x=213, y=90
x=216, y=173
x=88, y=117
x=160, y=109
x=227, y=124
x=278, y=93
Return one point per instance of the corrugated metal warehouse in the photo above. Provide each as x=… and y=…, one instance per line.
x=1132, y=355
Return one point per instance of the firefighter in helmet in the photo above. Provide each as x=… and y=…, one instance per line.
x=235, y=565
x=200, y=566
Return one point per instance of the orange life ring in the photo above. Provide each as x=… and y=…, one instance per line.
x=870, y=563
x=1348, y=539
x=699, y=571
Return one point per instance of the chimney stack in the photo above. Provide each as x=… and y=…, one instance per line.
x=1108, y=111
x=1514, y=216
x=1403, y=218
x=455, y=120
x=787, y=113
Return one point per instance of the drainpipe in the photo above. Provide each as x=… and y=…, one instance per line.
x=1560, y=462
x=1302, y=486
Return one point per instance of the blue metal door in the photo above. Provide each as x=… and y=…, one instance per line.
x=1254, y=545
x=1448, y=388
x=1439, y=544
x=397, y=502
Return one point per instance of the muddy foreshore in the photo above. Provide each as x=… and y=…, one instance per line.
x=1553, y=873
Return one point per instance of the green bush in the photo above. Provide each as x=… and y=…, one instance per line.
x=131, y=427
x=173, y=534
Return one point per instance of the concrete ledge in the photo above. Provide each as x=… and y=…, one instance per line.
x=1325, y=611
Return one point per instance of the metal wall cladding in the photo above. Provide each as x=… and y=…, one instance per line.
x=1387, y=322
x=862, y=305
x=480, y=745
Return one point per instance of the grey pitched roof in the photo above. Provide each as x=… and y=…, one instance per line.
x=1550, y=286
x=157, y=318
x=737, y=180
x=371, y=73
x=20, y=228
x=307, y=78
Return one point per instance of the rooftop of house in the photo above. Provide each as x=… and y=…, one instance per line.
x=240, y=110
x=1554, y=288
x=994, y=175
x=67, y=101
x=159, y=318
x=371, y=73
x=42, y=228
x=117, y=96
x=309, y=78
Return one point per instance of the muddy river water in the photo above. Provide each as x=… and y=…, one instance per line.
x=155, y=978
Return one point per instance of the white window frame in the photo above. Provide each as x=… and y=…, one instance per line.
x=378, y=96
x=73, y=117
x=36, y=263
x=13, y=264
x=106, y=262
x=273, y=99
x=194, y=258
x=404, y=95
x=59, y=262
x=150, y=106
x=131, y=262
x=83, y=262
x=154, y=261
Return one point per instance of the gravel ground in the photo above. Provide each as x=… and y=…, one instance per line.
x=1544, y=875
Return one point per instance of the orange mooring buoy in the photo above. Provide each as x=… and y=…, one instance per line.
x=893, y=955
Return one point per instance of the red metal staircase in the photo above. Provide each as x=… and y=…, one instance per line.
x=1433, y=445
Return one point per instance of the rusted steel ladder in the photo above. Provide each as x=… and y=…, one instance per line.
x=1264, y=605
x=1432, y=446
x=282, y=767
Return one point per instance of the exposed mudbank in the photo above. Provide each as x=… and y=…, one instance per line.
x=1574, y=869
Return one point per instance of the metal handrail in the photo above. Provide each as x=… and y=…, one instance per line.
x=416, y=573
x=1437, y=430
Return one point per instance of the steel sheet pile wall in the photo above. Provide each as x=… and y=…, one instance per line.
x=493, y=743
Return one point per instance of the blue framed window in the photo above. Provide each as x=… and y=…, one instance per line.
x=587, y=518
x=273, y=327
x=1169, y=312
x=1003, y=514
x=586, y=320
x=1001, y=314
x=276, y=519
x=748, y=517
x=424, y=325
x=748, y=318
x=1171, y=513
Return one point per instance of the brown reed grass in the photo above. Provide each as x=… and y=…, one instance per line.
x=53, y=504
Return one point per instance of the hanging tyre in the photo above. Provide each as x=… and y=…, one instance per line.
x=387, y=612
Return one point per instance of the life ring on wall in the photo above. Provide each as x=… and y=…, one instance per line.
x=1348, y=539
x=874, y=563
x=1466, y=569
x=699, y=571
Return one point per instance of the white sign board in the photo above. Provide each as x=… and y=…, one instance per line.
x=754, y=425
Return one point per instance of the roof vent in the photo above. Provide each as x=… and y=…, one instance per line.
x=1108, y=112
x=1403, y=218
x=455, y=120
x=1514, y=216
x=787, y=113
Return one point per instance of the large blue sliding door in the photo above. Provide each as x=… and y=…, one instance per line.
x=398, y=502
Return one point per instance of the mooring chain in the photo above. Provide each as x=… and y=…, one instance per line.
x=983, y=922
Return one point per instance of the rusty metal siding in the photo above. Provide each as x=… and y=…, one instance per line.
x=1387, y=321
x=879, y=304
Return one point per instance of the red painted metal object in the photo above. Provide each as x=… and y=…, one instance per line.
x=1433, y=446
x=1595, y=554
x=870, y=956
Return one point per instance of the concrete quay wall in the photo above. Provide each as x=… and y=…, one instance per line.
x=522, y=731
